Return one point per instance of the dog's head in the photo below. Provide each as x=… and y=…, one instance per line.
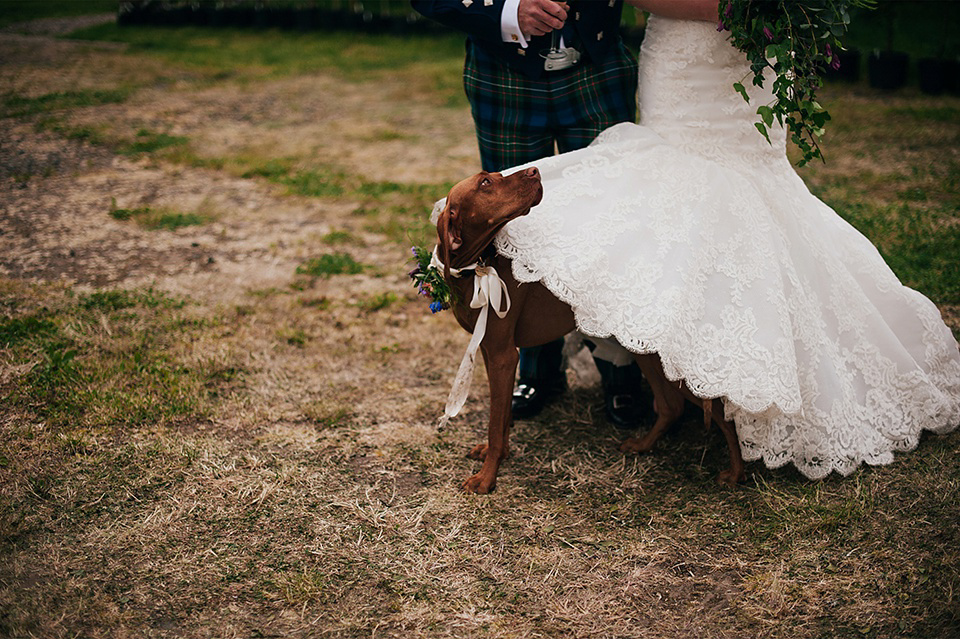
x=478, y=207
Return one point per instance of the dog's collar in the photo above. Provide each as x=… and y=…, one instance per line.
x=438, y=264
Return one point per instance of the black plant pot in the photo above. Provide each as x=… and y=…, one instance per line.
x=887, y=70
x=951, y=76
x=932, y=73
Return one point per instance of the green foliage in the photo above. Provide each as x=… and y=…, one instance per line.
x=801, y=38
x=330, y=264
x=429, y=280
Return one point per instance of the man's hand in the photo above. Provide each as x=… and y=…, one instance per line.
x=537, y=17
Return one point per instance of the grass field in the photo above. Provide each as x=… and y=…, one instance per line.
x=219, y=388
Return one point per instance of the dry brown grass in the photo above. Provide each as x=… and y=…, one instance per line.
x=302, y=490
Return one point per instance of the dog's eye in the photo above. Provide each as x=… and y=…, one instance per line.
x=485, y=182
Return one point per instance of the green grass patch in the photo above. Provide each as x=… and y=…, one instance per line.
x=293, y=336
x=379, y=302
x=149, y=141
x=16, y=330
x=408, y=225
x=13, y=105
x=340, y=237
x=106, y=359
x=80, y=133
x=354, y=56
x=272, y=169
x=381, y=189
x=911, y=217
x=160, y=218
x=931, y=114
x=323, y=181
x=330, y=264
x=318, y=183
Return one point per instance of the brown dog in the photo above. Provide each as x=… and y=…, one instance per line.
x=476, y=209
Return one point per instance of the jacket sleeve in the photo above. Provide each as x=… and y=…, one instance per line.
x=479, y=19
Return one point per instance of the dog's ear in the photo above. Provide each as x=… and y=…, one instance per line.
x=454, y=228
x=448, y=242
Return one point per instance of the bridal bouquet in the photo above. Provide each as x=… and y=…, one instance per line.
x=797, y=39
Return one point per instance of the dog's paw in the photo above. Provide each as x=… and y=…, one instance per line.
x=480, y=484
x=478, y=452
x=731, y=478
x=632, y=445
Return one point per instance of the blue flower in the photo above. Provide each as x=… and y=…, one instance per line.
x=436, y=307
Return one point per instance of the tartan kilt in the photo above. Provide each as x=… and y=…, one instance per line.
x=519, y=120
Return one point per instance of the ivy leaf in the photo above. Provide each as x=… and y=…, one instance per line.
x=739, y=89
x=766, y=114
x=763, y=130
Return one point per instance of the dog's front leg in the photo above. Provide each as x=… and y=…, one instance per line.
x=501, y=364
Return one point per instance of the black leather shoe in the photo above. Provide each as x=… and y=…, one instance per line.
x=531, y=395
x=622, y=401
x=623, y=410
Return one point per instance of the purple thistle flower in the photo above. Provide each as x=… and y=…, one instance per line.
x=729, y=10
x=768, y=33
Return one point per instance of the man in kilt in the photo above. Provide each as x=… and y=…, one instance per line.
x=544, y=76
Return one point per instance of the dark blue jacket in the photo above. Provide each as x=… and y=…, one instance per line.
x=592, y=25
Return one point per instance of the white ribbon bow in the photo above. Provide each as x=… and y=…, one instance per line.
x=489, y=291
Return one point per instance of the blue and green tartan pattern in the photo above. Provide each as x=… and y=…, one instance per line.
x=518, y=120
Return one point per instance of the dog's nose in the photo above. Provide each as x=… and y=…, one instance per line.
x=532, y=172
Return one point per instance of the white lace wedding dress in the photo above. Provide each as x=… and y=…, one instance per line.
x=691, y=236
